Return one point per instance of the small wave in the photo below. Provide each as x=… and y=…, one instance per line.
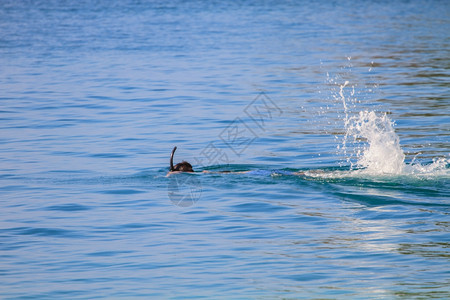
x=70, y=207
x=45, y=232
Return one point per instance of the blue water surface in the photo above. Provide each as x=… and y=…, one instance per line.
x=95, y=94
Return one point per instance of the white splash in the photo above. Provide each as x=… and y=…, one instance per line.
x=376, y=146
x=437, y=168
x=382, y=154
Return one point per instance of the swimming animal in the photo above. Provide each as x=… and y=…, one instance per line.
x=183, y=166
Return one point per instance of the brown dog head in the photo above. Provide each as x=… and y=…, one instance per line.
x=183, y=166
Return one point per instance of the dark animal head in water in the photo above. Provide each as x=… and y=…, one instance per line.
x=183, y=166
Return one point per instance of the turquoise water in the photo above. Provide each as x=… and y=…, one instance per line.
x=341, y=110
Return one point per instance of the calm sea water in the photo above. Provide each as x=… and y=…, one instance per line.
x=353, y=96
